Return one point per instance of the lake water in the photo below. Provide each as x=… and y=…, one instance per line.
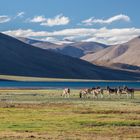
x=54, y=85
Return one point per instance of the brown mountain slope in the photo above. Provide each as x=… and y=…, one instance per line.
x=124, y=54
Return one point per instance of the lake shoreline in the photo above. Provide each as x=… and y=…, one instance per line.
x=45, y=88
x=14, y=78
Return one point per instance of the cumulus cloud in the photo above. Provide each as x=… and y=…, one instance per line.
x=4, y=18
x=38, y=19
x=102, y=35
x=110, y=20
x=57, y=20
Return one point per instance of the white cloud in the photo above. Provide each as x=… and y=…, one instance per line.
x=58, y=20
x=65, y=32
x=56, y=41
x=114, y=36
x=110, y=20
x=102, y=35
x=88, y=21
x=20, y=14
x=4, y=18
x=38, y=19
x=27, y=33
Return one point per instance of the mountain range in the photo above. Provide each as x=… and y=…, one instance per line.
x=22, y=59
x=115, y=56
x=74, y=49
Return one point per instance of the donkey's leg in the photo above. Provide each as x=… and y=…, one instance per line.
x=68, y=95
x=96, y=95
x=65, y=95
x=62, y=95
x=132, y=96
x=127, y=95
x=80, y=95
x=102, y=95
x=120, y=95
x=93, y=96
x=110, y=95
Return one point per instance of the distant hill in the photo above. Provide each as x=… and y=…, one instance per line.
x=125, y=56
x=89, y=47
x=18, y=58
x=39, y=43
x=76, y=49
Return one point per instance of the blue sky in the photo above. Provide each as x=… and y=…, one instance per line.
x=105, y=21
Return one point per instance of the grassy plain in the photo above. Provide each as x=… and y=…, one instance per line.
x=44, y=114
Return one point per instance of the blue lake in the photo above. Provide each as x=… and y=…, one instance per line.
x=53, y=85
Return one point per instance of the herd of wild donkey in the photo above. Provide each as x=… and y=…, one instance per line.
x=99, y=92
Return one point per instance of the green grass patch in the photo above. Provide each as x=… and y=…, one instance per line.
x=44, y=114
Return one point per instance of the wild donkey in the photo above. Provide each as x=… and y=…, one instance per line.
x=111, y=91
x=66, y=93
x=96, y=92
x=84, y=93
x=127, y=91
